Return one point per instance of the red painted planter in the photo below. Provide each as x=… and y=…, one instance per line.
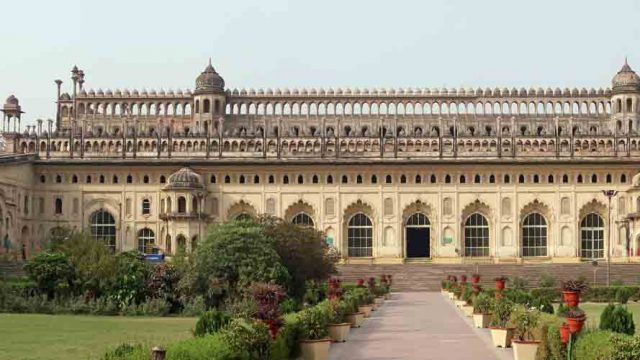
x=571, y=298
x=575, y=324
x=564, y=333
x=360, y=282
x=475, y=279
x=500, y=284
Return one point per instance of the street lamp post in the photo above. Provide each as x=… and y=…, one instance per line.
x=609, y=194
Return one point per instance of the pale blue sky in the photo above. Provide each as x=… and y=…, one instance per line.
x=277, y=43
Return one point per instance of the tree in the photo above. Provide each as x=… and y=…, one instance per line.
x=235, y=255
x=303, y=250
x=52, y=272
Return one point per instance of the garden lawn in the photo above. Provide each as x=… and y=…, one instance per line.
x=70, y=337
x=593, y=311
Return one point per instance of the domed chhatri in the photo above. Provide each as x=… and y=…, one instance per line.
x=209, y=81
x=626, y=80
x=184, y=178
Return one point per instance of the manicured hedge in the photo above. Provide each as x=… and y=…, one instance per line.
x=210, y=347
x=548, y=331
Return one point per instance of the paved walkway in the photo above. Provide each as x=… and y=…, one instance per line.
x=415, y=325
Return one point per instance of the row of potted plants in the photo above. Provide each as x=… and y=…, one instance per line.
x=512, y=324
x=331, y=320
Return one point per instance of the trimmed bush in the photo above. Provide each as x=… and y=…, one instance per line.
x=552, y=294
x=251, y=336
x=594, y=345
x=618, y=319
x=623, y=294
x=210, y=322
x=210, y=347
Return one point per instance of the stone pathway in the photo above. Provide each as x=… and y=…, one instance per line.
x=416, y=325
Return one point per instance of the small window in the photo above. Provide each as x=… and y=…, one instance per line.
x=241, y=179
x=374, y=179
x=594, y=179
x=74, y=179
x=329, y=179
x=43, y=179
x=272, y=179
x=389, y=179
x=101, y=179
x=163, y=179
x=507, y=179
x=285, y=179
x=565, y=179
x=129, y=179
x=536, y=179
x=145, y=179
x=58, y=206
x=256, y=179
x=433, y=179
x=447, y=179
x=146, y=207
x=463, y=179
x=403, y=179
x=315, y=179
x=115, y=179
x=476, y=179
x=521, y=179
x=492, y=179
x=580, y=179
x=345, y=179
x=88, y=179
x=623, y=178
x=550, y=179
x=359, y=179
x=227, y=179
x=300, y=179
x=182, y=205
x=58, y=179
x=609, y=179
x=212, y=179
x=418, y=179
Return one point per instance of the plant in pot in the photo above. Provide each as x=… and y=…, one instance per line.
x=475, y=278
x=463, y=279
x=501, y=333
x=334, y=289
x=338, y=328
x=314, y=332
x=571, y=292
x=575, y=319
x=482, y=304
x=364, y=301
x=500, y=281
x=467, y=297
x=525, y=320
x=352, y=314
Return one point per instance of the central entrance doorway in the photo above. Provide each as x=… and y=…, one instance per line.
x=417, y=236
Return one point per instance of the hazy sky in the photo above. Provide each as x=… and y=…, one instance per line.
x=277, y=43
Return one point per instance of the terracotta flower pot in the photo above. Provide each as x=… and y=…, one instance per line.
x=575, y=324
x=339, y=332
x=315, y=349
x=475, y=279
x=564, y=333
x=467, y=310
x=481, y=320
x=366, y=309
x=360, y=282
x=571, y=298
x=525, y=350
x=501, y=336
x=356, y=319
x=500, y=284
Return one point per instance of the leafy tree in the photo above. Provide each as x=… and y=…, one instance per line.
x=235, y=255
x=52, y=272
x=303, y=250
x=131, y=272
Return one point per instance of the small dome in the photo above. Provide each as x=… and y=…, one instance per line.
x=209, y=80
x=65, y=96
x=184, y=178
x=626, y=79
x=12, y=100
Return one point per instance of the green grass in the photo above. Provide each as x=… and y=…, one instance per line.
x=70, y=337
x=593, y=311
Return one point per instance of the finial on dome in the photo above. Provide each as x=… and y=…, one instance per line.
x=625, y=60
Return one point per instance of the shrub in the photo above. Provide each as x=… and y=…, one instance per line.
x=52, y=272
x=193, y=306
x=548, y=332
x=541, y=304
x=594, y=345
x=501, y=312
x=288, y=305
x=625, y=347
x=525, y=321
x=155, y=307
x=551, y=294
x=482, y=304
x=285, y=345
x=210, y=347
x=211, y=322
x=313, y=323
x=248, y=335
x=623, y=294
x=547, y=281
x=519, y=283
x=131, y=273
x=127, y=352
x=162, y=283
x=618, y=319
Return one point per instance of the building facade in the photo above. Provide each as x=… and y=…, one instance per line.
x=390, y=175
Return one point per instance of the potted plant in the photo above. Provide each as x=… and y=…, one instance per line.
x=482, y=305
x=360, y=283
x=365, y=300
x=458, y=291
x=475, y=278
x=575, y=319
x=353, y=316
x=564, y=333
x=525, y=320
x=314, y=332
x=501, y=334
x=500, y=282
x=463, y=279
x=338, y=329
x=467, y=297
x=334, y=289
x=571, y=292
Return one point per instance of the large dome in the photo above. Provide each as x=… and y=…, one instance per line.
x=209, y=81
x=184, y=178
x=626, y=80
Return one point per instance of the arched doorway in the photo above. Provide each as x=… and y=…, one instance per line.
x=534, y=235
x=417, y=236
x=360, y=236
x=592, y=237
x=476, y=235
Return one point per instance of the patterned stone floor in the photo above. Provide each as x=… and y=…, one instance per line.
x=417, y=325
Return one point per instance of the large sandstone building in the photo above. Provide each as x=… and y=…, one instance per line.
x=390, y=175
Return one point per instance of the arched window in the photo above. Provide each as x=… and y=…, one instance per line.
x=534, y=235
x=197, y=106
x=88, y=180
x=212, y=179
x=507, y=179
x=163, y=179
x=623, y=178
x=463, y=179
x=550, y=179
x=608, y=179
x=592, y=237
x=359, y=179
x=360, y=236
x=580, y=179
x=345, y=179
x=58, y=206
x=182, y=205
x=227, y=179
x=492, y=179
x=315, y=179
x=433, y=179
x=285, y=179
x=129, y=179
x=388, y=179
x=417, y=236
x=565, y=179
x=447, y=179
x=476, y=236
x=115, y=179
x=206, y=106
x=536, y=179
x=256, y=179
x=145, y=179
x=329, y=179
x=418, y=179
x=74, y=179
x=476, y=179
x=101, y=179
x=302, y=219
x=300, y=179
x=521, y=179
x=594, y=179
x=194, y=205
x=103, y=228
x=241, y=179
x=146, y=241
x=146, y=207
x=403, y=179
x=58, y=179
